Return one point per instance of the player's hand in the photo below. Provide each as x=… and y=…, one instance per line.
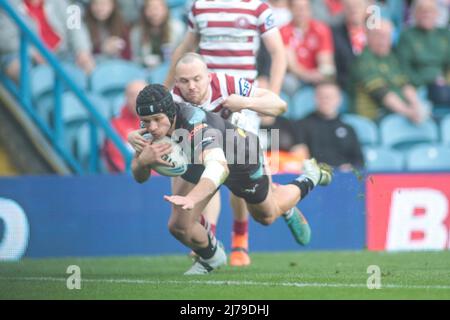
x=234, y=102
x=184, y=202
x=152, y=154
x=136, y=139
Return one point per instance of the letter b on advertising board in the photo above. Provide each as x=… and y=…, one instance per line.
x=408, y=212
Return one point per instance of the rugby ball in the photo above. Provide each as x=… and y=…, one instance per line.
x=177, y=158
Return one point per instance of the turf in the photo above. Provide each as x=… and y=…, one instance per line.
x=311, y=275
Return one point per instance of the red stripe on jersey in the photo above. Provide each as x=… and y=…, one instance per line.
x=226, y=53
x=216, y=93
x=232, y=66
x=198, y=11
x=230, y=84
x=229, y=24
x=261, y=8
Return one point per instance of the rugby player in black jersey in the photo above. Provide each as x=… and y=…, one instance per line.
x=208, y=138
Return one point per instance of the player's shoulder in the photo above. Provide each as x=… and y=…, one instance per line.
x=190, y=115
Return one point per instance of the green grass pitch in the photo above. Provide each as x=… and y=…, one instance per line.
x=286, y=276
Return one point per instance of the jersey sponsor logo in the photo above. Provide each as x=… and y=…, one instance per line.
x=244, y=87
x=197, y=129
x=241, y=133
x=270, y=21
x=222, y=38
x=242, y=23
x=252, y=190
x=204, y=143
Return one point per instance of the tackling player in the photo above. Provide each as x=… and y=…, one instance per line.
x=227, y=33
x=207, y=139
x=221, y=93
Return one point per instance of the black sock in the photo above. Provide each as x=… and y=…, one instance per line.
x=210, y=250
x=305, y=185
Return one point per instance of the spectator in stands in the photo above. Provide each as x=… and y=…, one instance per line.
x=286, y=132
x=349, y=39
x=49, y=19
x=424, y=53
x=324, y=136
x=126, y=122
x=278, y=144
x=156, y=36
x=107, y=29
x=309, y=48
x=379, y=85
x=442, y=19
x=330, y=12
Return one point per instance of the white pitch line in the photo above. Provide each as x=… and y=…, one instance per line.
x=233, y=283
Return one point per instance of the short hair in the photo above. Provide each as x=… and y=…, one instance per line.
x=190, y=57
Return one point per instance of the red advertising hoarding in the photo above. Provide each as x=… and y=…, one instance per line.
x=408, y=212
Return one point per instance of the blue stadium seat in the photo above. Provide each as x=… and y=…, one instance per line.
x=73, y=110
x=110, y=78
x=77, y=139
x=428, y=157
x=42, y=81
x=302, y=103
x=398, y=132
x=366, y=129
x=445, y=130
x=76, y=74
x=383, y=159
x=159, y=73
x=117, y=104
x=43, y=78
x=176, y=3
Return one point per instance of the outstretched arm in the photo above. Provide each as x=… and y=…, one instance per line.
x=216, y=172
x=263, y=101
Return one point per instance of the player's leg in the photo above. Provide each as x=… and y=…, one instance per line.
x=283, y=198
x=239, y=237
x=185, y=226
x=212, y=212
x=209, y=217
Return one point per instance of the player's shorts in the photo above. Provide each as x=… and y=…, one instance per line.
x=251, y=185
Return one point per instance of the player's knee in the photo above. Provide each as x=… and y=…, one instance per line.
x=265, y=220
x=177, y=231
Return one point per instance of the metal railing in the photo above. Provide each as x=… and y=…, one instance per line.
x=23, y=95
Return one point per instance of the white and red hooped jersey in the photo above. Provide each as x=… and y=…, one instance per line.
x=230, y=32
x=222, y=86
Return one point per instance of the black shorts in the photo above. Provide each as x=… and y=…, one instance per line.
x=252, y=186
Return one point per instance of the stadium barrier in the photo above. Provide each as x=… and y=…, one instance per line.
x=408, y=212
x=112, y=215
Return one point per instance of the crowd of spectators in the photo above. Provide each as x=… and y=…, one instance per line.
x=386, y=57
